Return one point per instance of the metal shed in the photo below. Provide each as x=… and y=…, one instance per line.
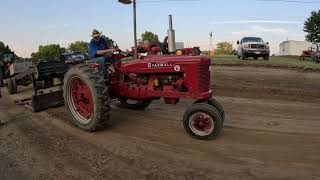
x=293, y=48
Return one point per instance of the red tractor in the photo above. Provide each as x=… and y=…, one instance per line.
x=313, y=53
x=139, y=82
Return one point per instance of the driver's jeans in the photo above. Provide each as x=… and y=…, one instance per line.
x=102, y=64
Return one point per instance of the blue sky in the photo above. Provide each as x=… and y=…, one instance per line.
x=27, y=24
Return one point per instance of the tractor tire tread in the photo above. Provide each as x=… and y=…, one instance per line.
x=212, y=111
x=102, y=110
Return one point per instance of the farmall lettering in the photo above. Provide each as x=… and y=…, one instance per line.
x=160, y=65
x=177, y=68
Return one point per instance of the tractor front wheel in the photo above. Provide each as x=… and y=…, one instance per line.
x=86, y=97
x=134, y=104
x=202, y=121
x=214, y=103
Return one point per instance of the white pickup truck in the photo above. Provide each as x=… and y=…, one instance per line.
x=253, y=47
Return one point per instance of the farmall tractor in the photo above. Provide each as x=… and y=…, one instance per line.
x=139, y=82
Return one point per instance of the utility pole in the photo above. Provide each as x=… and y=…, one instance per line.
x=211, y=44
x=126, y=2
x=135, y=29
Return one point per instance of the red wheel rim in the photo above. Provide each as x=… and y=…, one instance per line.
x=201, y=124
x=80, y=100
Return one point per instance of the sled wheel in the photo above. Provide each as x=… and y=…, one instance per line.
x=134, y=104
x=202, y=121
x=14, y=86
x=86, y=97
x=10, y=86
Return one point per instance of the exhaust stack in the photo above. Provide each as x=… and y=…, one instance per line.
x=171, y=37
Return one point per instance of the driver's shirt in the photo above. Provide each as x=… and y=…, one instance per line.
x=95, y=46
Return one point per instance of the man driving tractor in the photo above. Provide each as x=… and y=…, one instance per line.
x=99, y=51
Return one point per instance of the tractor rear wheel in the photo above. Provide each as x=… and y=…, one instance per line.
x=134, y=104
x=86, y=97
x=202, y=121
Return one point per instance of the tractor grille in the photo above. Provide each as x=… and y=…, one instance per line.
x=257, y=46
x=203, y=78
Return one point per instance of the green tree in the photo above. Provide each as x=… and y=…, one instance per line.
x=312, y=27
x=4, y=48
x=48, y=53
x=79, y=46
x=149, y=37
x=224, y=48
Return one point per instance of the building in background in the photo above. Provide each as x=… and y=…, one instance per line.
x=293, y=48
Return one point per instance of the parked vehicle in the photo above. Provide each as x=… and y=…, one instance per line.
x=253, y=47
x=313, y=53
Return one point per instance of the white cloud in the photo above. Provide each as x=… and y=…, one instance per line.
x=255, y=30
x=262, y=29
x=51, y=27
x=256, y=21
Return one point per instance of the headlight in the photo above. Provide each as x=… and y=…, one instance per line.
x=246, y=46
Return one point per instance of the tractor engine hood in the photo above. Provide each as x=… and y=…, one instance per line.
x=164, y=64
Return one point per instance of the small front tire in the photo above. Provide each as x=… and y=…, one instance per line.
x=202, y=121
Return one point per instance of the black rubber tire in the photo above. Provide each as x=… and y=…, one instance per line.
x=239, y=57
x=1, y=80
x=214, y=103
x=209, y=110
x=14, y=85
x=243, y=55
x=318, y=60
x=138, y=106
x=99, y=90
x=10, y=86
x=266, y=58
x=255, y=58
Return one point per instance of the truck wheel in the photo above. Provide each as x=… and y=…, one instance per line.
x=1, y=80
x=134, y=104
x=202, y=121
x=86, y=97
x=243, y=56
x=266, y=58
x=318, y=60
x=255, y=58
x=10, y=86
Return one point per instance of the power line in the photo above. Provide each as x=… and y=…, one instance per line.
x=292, y=1
x=162, y=1
x=283, y=1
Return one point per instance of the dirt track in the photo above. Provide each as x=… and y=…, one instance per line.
x=271, y=132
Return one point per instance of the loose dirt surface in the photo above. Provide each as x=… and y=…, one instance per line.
x=271, y=131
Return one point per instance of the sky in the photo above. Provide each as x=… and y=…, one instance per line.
x=27, y=24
